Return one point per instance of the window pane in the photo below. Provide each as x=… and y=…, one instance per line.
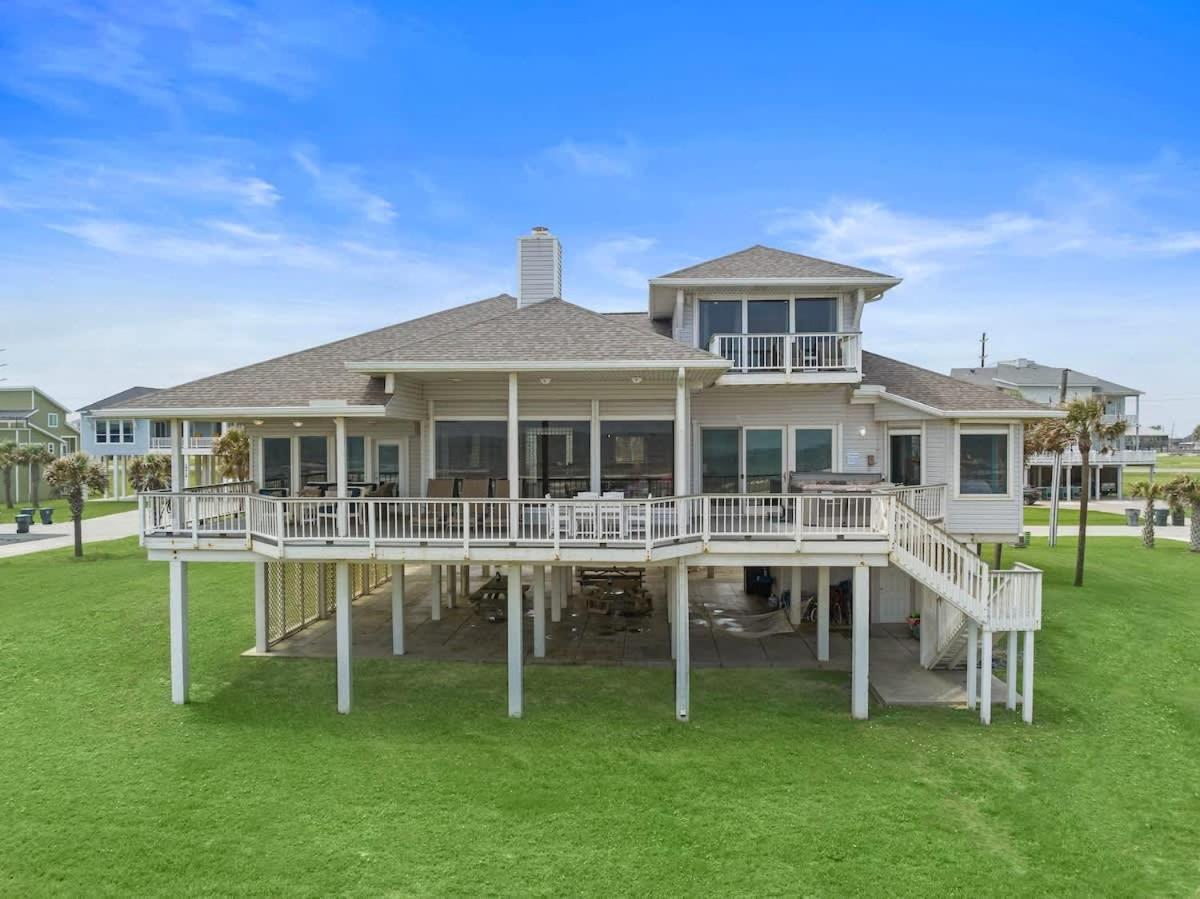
x=101, y=431
x=814, y=449
x=277, y=462
x=767, y=317
x=114, y=431
x=816, y=316
x=719, y=460
x=314, y=461
x=356, y=459
x=764, y=460
x=556, y=458
x=983, y=463
x=127, y=431
x=719, y=317
x=205, y=428
x=388, y=456
x=905, y=453
x=162, y=429
x=637, y=457
x=472, y=449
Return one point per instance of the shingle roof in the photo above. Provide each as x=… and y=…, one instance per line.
x=766, y=262
x=549, y=331
x=938, y=390
x=117, y=398
x=1033, y=374
x=641, y=320
x=319, y=373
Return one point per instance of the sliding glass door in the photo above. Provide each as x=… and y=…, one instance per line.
x=720, y=466
x=742, y=460
x=556, y=458
x=764, y=460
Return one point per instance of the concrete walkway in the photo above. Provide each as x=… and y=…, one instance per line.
x=1161, y=532
x=56, y=536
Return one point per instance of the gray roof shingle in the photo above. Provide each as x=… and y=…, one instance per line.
x=118, y=398
x=938, y=390
x=766, y=262
x=1033, y=374
x=549, y=331
x=319, y=373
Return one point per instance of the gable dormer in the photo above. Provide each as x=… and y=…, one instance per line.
x=776, y=316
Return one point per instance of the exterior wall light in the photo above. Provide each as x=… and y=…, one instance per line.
x=636, y=379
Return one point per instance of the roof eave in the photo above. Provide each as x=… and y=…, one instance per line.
x=385, y=366
x=748, y=282
x=875, y=391
x=322, y=409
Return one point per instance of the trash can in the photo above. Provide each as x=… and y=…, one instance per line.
x=30, y=512
x=1132, y=516
x=23, y=523
x=47, y=514
x=1177, y=518
x=1160, y=517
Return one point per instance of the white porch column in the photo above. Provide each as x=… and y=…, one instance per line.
x=861, y=625
x=1120, y=482
x=115, y=492
x=1027, y=679
x=464, y=575
x=452, y=591
x=435, y=592
x=344, y=628
x=795, y=588
x=342, y=467
x=681, y=454
x=670, y=578
x=985, y=677
x=823, y=613
x=972, y=662
x=539, y=611
x=514, y=454
x=260, y=607
x=178, y=617
x=681, y=643
x=398, y=610
x=430, y=439
x=516, y=698
x=177, y=483
x=1011, y=699
x=556, y=594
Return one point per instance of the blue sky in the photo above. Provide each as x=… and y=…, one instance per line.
x=189, y=186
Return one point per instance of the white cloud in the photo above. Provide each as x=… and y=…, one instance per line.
x=339, y=185
x=610, y=259
x=600, y=160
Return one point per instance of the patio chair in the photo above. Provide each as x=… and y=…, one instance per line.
x=438, y=515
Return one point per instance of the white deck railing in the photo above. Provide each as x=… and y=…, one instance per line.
x=839, y=351
x=1016, y=599
x=1114, y=457
x=927, y=500
x=163, y=444
x=941, y=563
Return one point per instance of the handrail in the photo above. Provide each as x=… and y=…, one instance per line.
x=927, y=500
x=938, y=560
x=824, y=351
x=224, y=487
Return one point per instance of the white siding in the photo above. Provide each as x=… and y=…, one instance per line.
x=984, y=516
x=558, y=399
x=892, y=595
x=407, y=400
x=539, y=264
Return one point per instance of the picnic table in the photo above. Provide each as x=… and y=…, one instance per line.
x=493, y=597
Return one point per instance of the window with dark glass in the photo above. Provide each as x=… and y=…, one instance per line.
x=904, y=451
x=314, y=459
x=356, y=459
x=719, y=317
x=637, y=457
x=556, y=458
x=277, y=462
x=471, y=449
x=983, y=464
x=767, y=317
x=162, y=430
x=815, y=316
x=719, y=460
x=813, y=449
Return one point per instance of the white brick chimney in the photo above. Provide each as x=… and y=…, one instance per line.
x=539, y=267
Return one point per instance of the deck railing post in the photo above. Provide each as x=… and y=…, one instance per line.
x=649, y=507
x=466, y=530
x=279, y=527
x=195, y=521
x=705, y=524
x=554, y=528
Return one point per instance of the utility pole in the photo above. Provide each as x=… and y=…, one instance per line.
x=983, y=350
x=1056, y=475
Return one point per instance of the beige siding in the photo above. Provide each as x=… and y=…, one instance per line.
x=408, y=399
x=982, y=515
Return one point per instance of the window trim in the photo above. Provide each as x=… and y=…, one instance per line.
x=905, y=431
x=52, y=419
x=788, y=296
x=126, y=436
x=971, y=429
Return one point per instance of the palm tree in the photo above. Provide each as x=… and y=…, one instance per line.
x=74, y=476
x=1084, y=427
x=1149, y=491
x=151, y=472
x=34, y=456
x=1184, y=490
x=232, y=452
x=8, y=451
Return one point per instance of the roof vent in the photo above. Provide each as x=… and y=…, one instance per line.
x=539, y=267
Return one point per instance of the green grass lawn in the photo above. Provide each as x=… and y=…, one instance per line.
x=1167, y=462
x=1040, y=515
x=92, y=509
x=259, y=787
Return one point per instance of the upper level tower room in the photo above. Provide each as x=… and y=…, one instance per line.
x=778, y=317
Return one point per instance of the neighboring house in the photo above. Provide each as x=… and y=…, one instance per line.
x=28, y=415
x=1043, y=384
x=115, y=439
x=738, y=421
x=1152, y=438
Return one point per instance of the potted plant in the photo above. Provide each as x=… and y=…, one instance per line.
x=914, y=625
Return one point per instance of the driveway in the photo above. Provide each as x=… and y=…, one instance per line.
x=56, y=536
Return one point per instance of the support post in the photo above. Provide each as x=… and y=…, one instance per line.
x=671, y=576
x=341, y=465
x=823, y=613
x=177, y=483
x=861, y=624
x=1027, y=679
x=682, y=643
x=556, y=594
x=398, y=586
x=260, y=607
x=539, y=611
x=516, y=699
x=178, y=617
x=344, y=628
x=795, y=605
x=1011, y=700
x=514, y=456
x=464, y=575
x=972, y=663
x=452, y=592
x=435, y=592
x=985, y=677
x=681, y=454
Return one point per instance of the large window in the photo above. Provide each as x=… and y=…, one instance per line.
x=813, y=449
x=556, y=458
x=767, y=317
x=637, y=457
x=983, y=463
x=160, y=430
x=114, y=431
x=356, y=459
x=719, y=317
x=314, y=459
x=817, y=316
x=904, y=459
x=277, y=463
x=472, y=449
x=719, y=460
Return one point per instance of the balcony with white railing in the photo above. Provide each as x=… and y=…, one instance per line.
x=1113, y=457
x=833, y=356
x=193, y=445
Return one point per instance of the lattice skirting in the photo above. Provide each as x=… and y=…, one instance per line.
x=299, y=593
